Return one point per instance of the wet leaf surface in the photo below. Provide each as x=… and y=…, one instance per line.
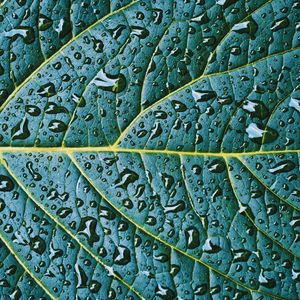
x=149, y=149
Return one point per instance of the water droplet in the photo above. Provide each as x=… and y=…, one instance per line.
x=168, y=180
x=164, y=292
x=226, y=3
x=44, y=22
x=178, y=106
x=241, y=255
x=226, y=100
x=203, y=96
x=192, y=237
x=174, y=208
x=21, y=2
x=20, y=131
x=87, y=227
x=256, y=109
x=47, y=90
x=217, y=166
x=52, y=108
x=269, y=283
x=106, y=213
x=257, y=134
x=81, y=277
x=25, y=32
x=141, y=32
x=32, y=110
x=159, y=114
x=117, y=31
x=63, y=212
x=211, y=247
x=282, y=167
x=6, y=184
x=112, y=83
x=125, y=178
x=95, y=286
x=156, y=131
x=157, y=16
x=97, y=45
x=122, y=255
x=63, y=28
x=36, y=176
x=295, y=103
x=280, y=24
x=250, y=27
x=201, y=289
x=57, y=126
x=55, y=253
x=201, y=19
x=38, y=245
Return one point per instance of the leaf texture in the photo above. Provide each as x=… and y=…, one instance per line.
x=149, y=149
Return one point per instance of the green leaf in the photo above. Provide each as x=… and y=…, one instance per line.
x=149, y=149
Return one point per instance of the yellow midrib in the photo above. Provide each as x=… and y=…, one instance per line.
x=70, y=150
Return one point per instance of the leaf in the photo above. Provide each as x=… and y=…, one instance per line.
x=33, y=34
x=149, y=149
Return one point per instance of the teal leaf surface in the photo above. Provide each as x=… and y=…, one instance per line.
x=150, y=149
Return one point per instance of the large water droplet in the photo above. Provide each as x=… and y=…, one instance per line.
x=178, y=106
x=259, y=135
x=211, y=246
x=38, y=245
x=203, y=96
x=217, y=166
x=52, y=108
x=20, y=131
x=87, y=227
x=282, y=167
x=122, y=255
x=81, y=277
x=6, y=184
x=256, y=109
x=165, y=293
x=112, y=83
x=63, y=28
x=32, y=110
x=47, y=90
x=295, y=103
x=125, y=178
x=57, y=126
x=167, y=179
x=141, y=32
x=157, y=15
x=267, y=282
x=280, y=24
x=44, y=22
x=25, y=32
x=174, y=208
x=36, y=176
x=97, y=45
x=63, y=212
x=241, y=255
x=226, y=3
x=201, y=19
x=192, y=237
x=250, y=27
x=117, y=31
